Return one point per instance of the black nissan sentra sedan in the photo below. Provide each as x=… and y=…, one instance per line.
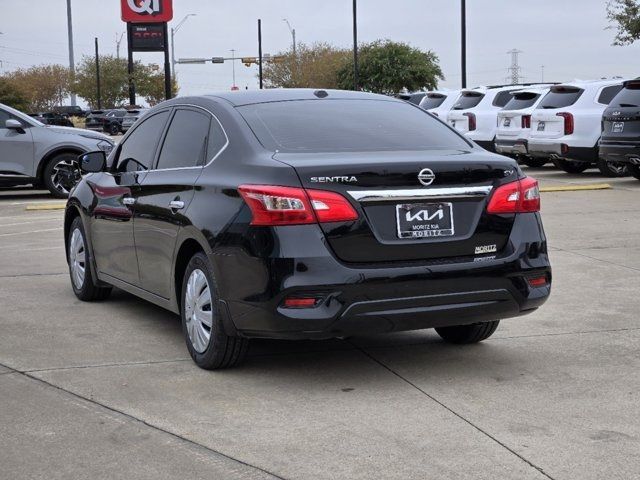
x=307, y=214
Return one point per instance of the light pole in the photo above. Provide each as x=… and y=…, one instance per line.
x=355, y=45
x=293, y=35
x=72, y=67
x=233, y=67
x=463, y=39
x=173, y=32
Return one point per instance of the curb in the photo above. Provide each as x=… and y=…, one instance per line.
x=577, y=188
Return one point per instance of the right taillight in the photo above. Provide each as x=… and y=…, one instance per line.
x=568, y=122
x=472, y=120
x=516, y=197
x=274, y=205
x=526, y=121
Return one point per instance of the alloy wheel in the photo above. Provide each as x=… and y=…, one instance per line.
x=198, y=310
x=77, y=258
x=65, y=175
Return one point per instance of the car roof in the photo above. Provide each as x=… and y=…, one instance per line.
x=248, y=97
x=601, y=82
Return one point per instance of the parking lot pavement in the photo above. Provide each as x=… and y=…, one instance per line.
x=107, y=390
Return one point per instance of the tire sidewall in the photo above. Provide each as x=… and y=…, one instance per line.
x=80, y=292
x=48, y=169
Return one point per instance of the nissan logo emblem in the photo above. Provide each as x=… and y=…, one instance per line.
x=426, y=176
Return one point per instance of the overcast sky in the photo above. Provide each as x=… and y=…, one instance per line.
x=568, y=37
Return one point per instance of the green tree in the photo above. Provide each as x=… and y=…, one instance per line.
x=151, y=84
x=43, y=86
x=625, y=14
x=11, y=96
x=314, y=66
x=390, y=67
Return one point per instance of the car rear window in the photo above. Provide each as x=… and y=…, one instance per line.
x=502, y=98
x=627, y=97
x=521, y=100
x=468, y=100
x=432, y=101
x=607, y=94
x=560, y=97
x=347, y=126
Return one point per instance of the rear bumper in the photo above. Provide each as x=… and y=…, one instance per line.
x=512, y=147
x=356, y=300
x=621, y=152
x=558, y=149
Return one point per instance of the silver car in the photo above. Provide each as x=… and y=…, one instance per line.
x=42, y=155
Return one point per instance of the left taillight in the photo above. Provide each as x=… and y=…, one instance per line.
x=274, y=205
x=472, y=121
x=520, y=196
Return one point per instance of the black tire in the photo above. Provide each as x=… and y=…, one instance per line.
x=571, y=166
x=59, y=181
x=612, y=169
x=114, y=129
x=222, y=350
x=465, y=334
x=634, y=170
x=86, y=290
x=535, y=162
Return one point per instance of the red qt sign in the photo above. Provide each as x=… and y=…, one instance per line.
x=147, y=11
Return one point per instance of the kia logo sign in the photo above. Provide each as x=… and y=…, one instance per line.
x=146, y=11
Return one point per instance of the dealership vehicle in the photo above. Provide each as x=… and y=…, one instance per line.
x=112, y=121
x=475, y=112
x=132, y=117
x=52, y=118
x=439, y=102
x=307, y=214
x=415, y=97
x=514, y=125
x=95, y=120
x=620, y=141
x=43, y=155
x=70, y=110
x=566, y=126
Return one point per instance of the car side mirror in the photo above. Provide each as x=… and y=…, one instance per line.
x=92, y=162
x=13, y=124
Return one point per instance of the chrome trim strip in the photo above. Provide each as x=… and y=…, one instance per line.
x=418, y=193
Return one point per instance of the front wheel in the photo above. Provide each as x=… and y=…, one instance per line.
x=612, y=169
x=209, y=346
x=61, y=174
x=114, y=129
x=465, y=334
x=634, y=170
x=571, y=166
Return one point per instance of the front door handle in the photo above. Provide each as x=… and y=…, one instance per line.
x=128, y=200
x=176, y=205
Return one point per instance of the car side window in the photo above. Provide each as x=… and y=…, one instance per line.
x=138, y=150
x=4, y=116
x=217, y=140
x=185, y=144
x=607, y=94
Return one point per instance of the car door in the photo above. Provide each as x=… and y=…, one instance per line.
x=165, y=194
x=16, y=148
x=115, y=193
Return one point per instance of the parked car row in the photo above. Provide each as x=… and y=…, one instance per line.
x=113, y=121
x=52, y=118
x=538, y=123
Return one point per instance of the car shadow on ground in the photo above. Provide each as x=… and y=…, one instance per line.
x=7, y=193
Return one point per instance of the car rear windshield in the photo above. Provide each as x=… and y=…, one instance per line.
x=561, y=97
x=347, y=126
x=432, y=101
x=468, y=100
x=628, y=97
x=522, y=100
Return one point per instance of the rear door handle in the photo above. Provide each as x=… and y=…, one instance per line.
x=128, y=200
x=176, y=205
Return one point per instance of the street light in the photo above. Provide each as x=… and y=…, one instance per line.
x=355, y=45
x=293, y=35
x=173, y=32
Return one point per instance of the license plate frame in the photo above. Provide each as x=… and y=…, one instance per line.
x=507, y=122
x=617, y=127
x=541, y=126
x=425, y=220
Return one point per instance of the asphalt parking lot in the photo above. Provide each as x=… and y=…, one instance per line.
x=108, y=390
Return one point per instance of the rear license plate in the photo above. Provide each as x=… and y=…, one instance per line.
x=418, y=220
x=541, y=126
x=507, y=122
x=617, y=127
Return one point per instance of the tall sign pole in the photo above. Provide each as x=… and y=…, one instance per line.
x=72, y=63
x=132, y=85
x=260, y=52
x=463, y=38
x=355, y=45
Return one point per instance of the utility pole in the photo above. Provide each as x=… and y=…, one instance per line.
x=118, y=42
x=514, y=68
x=293, y=36
x=233, y=66
x=72, y=63
x=260, y=51
x=173, y=32
x=98, y=76
x=168, y=93
x=463, y=39
x=355, y=45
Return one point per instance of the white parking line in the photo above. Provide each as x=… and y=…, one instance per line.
x=29, y=232
x=30, y=222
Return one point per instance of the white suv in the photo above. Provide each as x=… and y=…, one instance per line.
x=514, y=125
x=566, y=125
x=439, y=102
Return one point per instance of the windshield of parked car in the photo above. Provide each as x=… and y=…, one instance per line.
x=560, y=97
x=432, y=101
x=347, y=126
x=522, y=100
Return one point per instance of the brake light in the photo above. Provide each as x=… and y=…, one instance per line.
x=526, y=121
x=272, y=205
x=537, y=282
x=568, y=122
x=472, y=120
x=516, y=197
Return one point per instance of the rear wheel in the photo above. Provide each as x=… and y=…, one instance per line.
x=78, y=258
x=61, y=174
x=210, y=347
x=535, y=162
x=571, y=166
x=114, y=129
x=612, y=169
x=465, y=334
x=634, y=170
